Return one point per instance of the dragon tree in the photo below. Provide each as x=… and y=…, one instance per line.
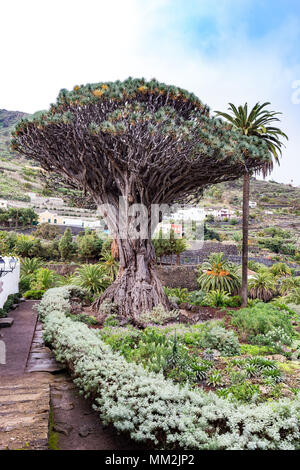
x=147, y=143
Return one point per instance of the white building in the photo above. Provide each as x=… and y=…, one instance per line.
x=166, y=228
x=194, y=213
x=223, y=213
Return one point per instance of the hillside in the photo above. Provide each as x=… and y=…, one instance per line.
x=19, y=176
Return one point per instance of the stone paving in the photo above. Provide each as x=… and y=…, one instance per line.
x=24, y=396
x=33, y=386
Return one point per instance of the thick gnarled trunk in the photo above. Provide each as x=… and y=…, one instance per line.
x=137, y=287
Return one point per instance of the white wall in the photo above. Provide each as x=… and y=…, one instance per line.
x=9, y=283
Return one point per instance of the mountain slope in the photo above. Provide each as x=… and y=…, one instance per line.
x=19, y=176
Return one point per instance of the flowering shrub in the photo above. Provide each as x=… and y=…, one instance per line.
x=151, y=408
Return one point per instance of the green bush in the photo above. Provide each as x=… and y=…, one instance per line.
x=244, y=393
x=260, y=319
x=181, y=294
x=234, y=302
x=216, y=298
x=10, y=301
x=111, y=320
x=34, y=294
x=225, y=341
x=24, y=283
x=84, y=318
x=196, y=297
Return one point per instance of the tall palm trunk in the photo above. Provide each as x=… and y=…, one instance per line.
x=246, y=194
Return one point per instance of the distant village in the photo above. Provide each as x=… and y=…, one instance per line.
x=53, y=210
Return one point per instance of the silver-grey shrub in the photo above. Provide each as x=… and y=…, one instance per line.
x=153, y=409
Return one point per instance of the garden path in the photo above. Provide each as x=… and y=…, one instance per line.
x=40, y=407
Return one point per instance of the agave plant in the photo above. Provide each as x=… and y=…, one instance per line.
x=67, y=280
x=43, y=279
x=216, y=298
x=280, y=270
x=217, y=273
x=294, y=296
x=30, y=265
x=262, y=286
x=92, y=277
x=288, y=284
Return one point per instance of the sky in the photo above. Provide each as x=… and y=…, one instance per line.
x=221, y=50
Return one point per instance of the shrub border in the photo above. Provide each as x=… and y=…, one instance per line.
x=152, y=409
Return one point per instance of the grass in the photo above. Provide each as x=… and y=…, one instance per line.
x=53, y=437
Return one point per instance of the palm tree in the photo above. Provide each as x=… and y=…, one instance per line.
x=92, y=277
x=255, y=123
x=111, y=265
x=217, y=273
x=262, y=286
x=30, y=265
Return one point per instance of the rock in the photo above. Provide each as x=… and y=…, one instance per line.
x=63, y=428
x=124, y=321
x=84, y=431
x=6, y=322
x=183, y=318
x=277, y=357
x=185, y=306
x=65, y=386
x=195, y=309
x=211, y=354
x=66, y=406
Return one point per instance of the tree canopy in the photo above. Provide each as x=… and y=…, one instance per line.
x=154, y=140
x=147, y=142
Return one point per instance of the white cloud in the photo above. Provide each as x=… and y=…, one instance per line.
x=53, y=45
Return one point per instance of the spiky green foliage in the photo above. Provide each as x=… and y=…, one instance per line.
x=289, y=284
x=92, y=277
x=216, y=298
x=280, y=269
x=138, y=124
x=217, y=273
x=29, y=266
x=43, y=279
x=110, y=264
x=262, y=286
x=257, y=123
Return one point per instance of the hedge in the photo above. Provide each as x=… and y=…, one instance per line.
x=152, y=409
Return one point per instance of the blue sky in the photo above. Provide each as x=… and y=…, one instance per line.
x=222, y=50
